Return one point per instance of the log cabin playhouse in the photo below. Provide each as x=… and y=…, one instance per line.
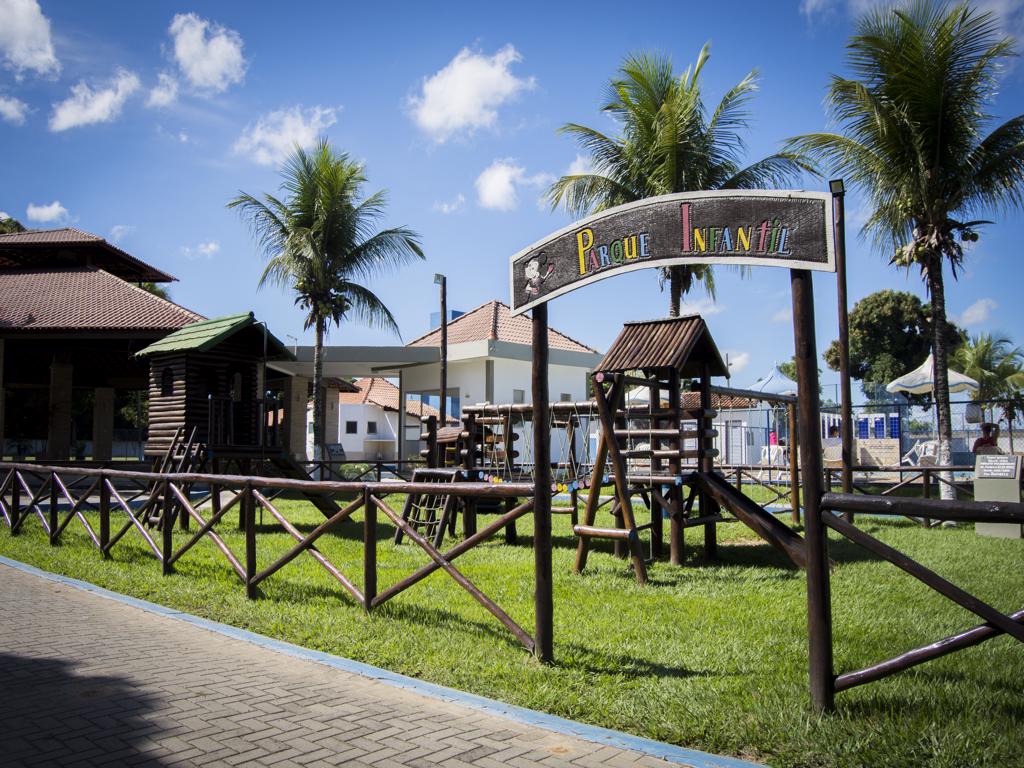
x=208, y=393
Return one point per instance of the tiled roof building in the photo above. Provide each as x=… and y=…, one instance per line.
x=494, y=321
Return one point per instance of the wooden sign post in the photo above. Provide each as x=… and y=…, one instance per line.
x=781, y=228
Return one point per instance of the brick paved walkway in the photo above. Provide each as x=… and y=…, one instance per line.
x=85, y=680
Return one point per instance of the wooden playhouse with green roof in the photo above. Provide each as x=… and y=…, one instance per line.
x=206, y=384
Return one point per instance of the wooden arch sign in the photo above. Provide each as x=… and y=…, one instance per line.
x=778, y=228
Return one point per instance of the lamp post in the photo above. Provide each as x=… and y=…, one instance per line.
x=440, y=280
x=838, y=190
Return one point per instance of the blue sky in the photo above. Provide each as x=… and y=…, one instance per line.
x=139, y=121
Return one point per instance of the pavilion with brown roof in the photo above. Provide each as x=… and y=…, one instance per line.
x=73, y=313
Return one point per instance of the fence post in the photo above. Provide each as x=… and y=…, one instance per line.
x=469, y=464
x=248, y=503
x=167, y=528
x=794, y=465
x=15, y=502
x=54, y=503
x=926, y=492
x=369, y=549
x=104, y=517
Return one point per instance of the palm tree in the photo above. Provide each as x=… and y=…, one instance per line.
x=995, y=364
x=668, y=143
x=913, y=119
x=320, y=239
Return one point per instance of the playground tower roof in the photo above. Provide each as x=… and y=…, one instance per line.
x=683, y=343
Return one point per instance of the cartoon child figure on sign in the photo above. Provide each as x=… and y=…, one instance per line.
x=537, y=272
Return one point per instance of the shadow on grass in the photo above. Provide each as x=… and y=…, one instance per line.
x=46, y=703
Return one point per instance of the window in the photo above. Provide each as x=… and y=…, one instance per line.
x=167, y=382
x=371, y=427
x=518, y=396
x=565, y=397
x=351, y=427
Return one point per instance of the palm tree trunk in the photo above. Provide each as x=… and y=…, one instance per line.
x=675, y=291
x=318, y=393
x=940, y=373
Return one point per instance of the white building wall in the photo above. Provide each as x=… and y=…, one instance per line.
x=356, y=447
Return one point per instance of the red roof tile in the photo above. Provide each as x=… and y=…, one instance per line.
x=494, y=321
x=83, y=300
x=53, y=247
x=382, y=393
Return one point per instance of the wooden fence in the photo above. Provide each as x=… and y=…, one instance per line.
x=58, y=496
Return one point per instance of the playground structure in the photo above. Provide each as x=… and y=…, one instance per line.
x=659, y=452
x=501, y=455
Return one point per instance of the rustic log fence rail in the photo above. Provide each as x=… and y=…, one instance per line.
x=995, y=621
x=164, y=499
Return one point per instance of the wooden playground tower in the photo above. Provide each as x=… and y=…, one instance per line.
x=655, y=449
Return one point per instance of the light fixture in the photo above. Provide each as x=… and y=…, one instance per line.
x=438, y=278
x=836, y=187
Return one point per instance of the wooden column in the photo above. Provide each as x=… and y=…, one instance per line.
x=167, y=529
x=819, y=608
x=794, y=464
x=3, y=397
x=707, y=464
x=103, y=424
x=676, y=529
x=58, y=434
x=543, y=592
x=400, y=453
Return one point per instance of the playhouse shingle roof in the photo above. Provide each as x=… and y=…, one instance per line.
x=83, y=299
x=70, y=247
x=494, y=321
x=382, y=393
x=204, y=335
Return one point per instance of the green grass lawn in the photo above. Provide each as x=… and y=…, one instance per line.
x=710, y=656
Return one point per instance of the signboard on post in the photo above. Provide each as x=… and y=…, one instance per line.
x=777, y=228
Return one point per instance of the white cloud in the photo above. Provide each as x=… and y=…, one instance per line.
x=13, y=110
x=46, y=214
x=119, y=232
x=275, y=135
x=86, y=105
x=738, y=361
x=978, y=313
x=204, y=250
x=783, y=315
x=466, y=93
x=581, y=165
x=702, y=307
x=25, y=38
x=209, y=55
x=183, y=137
x=497, y=185
x=456, y=204
x=164, y=93
x=4, y=216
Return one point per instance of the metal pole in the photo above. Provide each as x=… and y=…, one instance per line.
x=443, y=282
x=845, y=401
x=819, y=609
x=543, y=595
x=401, y=419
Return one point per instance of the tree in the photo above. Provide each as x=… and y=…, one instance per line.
x=319, y=240
x=9, y=225
x=156, y=290
x=913, y=141
x=668, y=143
x=890, y=334
x=995, y=364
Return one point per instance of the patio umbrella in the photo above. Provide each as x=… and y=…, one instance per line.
x=919, y=381
x=775, y=383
